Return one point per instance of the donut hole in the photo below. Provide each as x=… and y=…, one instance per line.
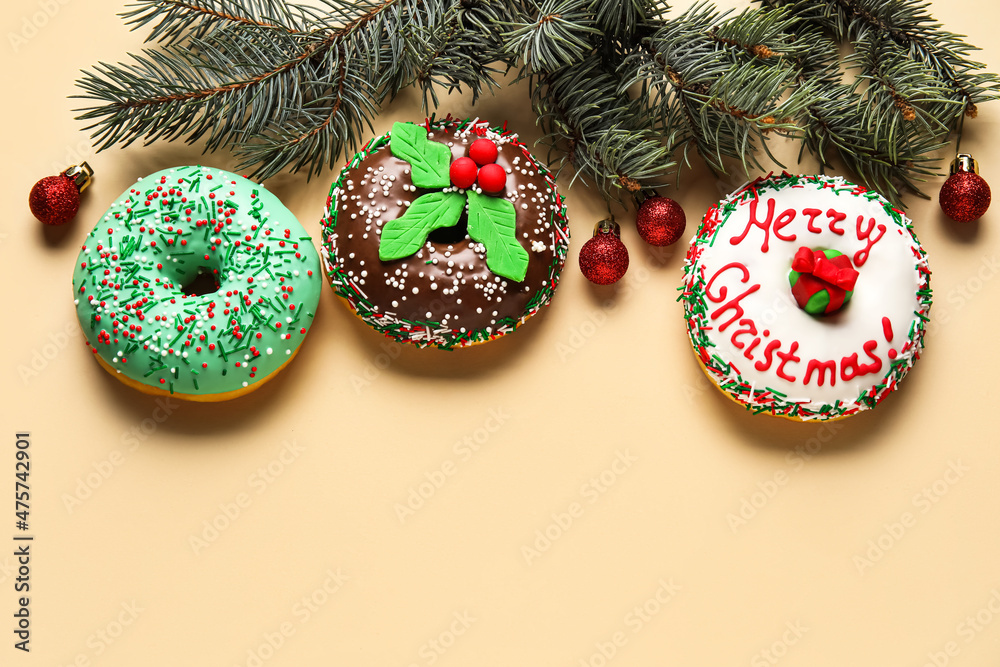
x=451, y=235
x=205, y=281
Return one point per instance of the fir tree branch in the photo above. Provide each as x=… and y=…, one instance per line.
x=904, y=91
x=918, y=36
x=588, y=117
x=557, y=33
x=622, y=21
x=909, y=26
x=833, y=126
x=918, y=79
x=594, y=127
x=285, y=85
x=308, y=139
x=618, y=85
x=464, y=51
x=177, y=19
x=708, y=88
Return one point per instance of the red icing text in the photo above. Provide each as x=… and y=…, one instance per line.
x=734, y=303
x=757, y=345
x=867, y=231
x=775, y=353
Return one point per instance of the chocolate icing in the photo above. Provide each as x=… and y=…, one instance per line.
x=453, y=285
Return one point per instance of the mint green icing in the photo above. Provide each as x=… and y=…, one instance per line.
x=154, y=239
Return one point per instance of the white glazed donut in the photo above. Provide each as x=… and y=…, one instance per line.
x=749, y=327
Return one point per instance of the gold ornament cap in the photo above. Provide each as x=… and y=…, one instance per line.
x=608, y=226
x=964, y=163
x=81, y=175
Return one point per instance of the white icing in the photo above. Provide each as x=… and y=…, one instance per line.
x=886, y=287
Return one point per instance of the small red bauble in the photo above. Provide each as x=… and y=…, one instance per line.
x=54, y=200
x=660, y=221
x=492, y=178
x=483, y=151
x=604, y=258
x=463, y=172
x=966, y=195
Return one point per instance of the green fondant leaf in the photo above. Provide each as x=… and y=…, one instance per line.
x=403, y=236
x=429, y=160
x=493, y=222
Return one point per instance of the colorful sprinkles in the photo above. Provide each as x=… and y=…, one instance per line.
x=165, y=233
x=768, y=400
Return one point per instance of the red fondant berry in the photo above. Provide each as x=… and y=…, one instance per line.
x=483, y=151
x=492, y=178
x=463, y=172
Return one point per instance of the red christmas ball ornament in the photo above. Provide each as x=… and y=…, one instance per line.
x=965, y=196
x=54, y=200
x=483, y=151
x=604, y=258
x=463, y=172
x=492, y=178
x=660, y=221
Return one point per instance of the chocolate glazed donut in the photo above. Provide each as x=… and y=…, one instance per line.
x=443, y=293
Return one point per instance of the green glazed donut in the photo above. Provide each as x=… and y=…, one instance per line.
x=196, y=283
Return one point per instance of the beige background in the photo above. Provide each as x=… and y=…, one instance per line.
x=355, y=425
